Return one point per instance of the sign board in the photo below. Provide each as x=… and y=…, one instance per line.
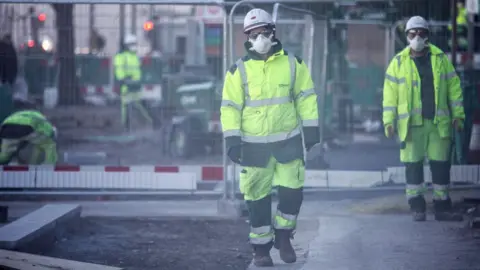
x=210, y=14
x=472, y=6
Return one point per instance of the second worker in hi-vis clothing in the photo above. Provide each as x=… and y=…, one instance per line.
x=422, y=94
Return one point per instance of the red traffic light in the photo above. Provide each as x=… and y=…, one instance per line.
x=42, y=17
x=148, y=26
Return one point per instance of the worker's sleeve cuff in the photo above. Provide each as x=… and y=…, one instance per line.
x=385, y=126
x=232, y=141
x=311, y=135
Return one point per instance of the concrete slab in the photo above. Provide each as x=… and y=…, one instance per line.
x=17, y=260
x=38, y=224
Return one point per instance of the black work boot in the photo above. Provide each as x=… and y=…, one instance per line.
x=283, y=244
x=416, y=201
x=261, y=256
x=419, y=216
x=444, y=212
x=442, y=203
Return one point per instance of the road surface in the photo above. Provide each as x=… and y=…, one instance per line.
x=330, y=235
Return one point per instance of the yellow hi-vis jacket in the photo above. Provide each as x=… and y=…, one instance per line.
x=402, y=93
x=41, y=139
x=127, y=64
x=268, y=102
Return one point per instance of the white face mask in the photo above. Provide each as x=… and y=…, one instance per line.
x=132, y=47
x=418, y=44
x=262, y=44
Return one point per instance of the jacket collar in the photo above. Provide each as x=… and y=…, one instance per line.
x=276, y=50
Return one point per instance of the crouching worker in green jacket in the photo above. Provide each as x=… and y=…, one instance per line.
x=27, y=137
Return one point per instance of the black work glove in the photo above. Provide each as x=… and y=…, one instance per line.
x=234, y=148
x=311, y=137
x=309, y=145
x=235, y=154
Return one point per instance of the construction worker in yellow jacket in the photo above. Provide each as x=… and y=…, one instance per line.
x=462, y=27
x=128, y=75
x=268, y=98
x=423, y=97
x=27, y=137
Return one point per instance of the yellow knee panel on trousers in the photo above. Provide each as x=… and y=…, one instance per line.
x=256, y=183
x=425, y=140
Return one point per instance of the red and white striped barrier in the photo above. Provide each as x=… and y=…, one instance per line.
x=97, y=177
x=187, y=177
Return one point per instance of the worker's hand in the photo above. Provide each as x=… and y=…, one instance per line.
x=390, y=131
x=457, y=124
x=235, y=154
x=54, y=133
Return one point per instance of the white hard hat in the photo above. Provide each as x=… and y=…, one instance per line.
x=256, y=18
x=130, y=39
x=416, y=22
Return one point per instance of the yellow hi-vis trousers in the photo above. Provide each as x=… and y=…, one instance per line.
x=130, y=101
x=256, y=186
x=423, y=140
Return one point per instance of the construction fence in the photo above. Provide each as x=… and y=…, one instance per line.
x=183, y=64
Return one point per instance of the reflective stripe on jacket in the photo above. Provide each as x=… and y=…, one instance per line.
x=402, y=93
x=263, y=101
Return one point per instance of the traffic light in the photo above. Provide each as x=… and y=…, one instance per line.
x=151, y=33
x=37, y=21
x=148, y=26
x=41, y=18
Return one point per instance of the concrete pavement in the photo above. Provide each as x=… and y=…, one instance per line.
x=391, y=242
x=330, y=235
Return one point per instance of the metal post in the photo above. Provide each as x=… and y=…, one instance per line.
x=225, y=67
x=91, y=24
x=33, y=24
x=471, y=40
x=133, y=26
x=122, y=22
x=230, y=184
x=453, y=8
x=323, y=80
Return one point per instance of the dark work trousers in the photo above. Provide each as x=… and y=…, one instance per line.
x=440, y=171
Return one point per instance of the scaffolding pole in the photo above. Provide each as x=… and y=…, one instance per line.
x=91, y=26
x=453, y=8
x=471, y=40
x=134, y=19
x=122, y=24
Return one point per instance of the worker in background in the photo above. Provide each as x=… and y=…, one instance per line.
x=27, y=137
x=128, y=75
x=462, y=28
x=268, y=98
x=8, y=74
x=422, y=94
x=8, y=60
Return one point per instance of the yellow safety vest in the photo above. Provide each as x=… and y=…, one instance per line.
x=127, y=64
x=263, y=100
x=402, y=93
